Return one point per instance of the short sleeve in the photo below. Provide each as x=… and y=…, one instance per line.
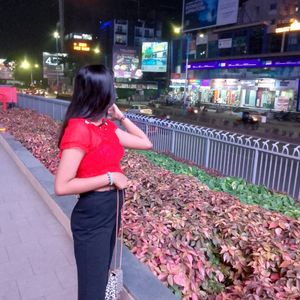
x=76, y=135
x=112, y=125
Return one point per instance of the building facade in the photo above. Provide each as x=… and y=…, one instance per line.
x=121, y=43
x=254, y=62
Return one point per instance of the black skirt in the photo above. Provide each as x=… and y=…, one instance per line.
x=93, y=224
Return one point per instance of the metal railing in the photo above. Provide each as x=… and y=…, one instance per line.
x=264, y=162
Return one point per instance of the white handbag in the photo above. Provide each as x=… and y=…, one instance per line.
x=115, y=278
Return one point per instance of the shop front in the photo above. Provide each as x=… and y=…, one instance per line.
x=262, y=83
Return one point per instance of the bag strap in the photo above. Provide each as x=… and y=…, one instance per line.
x=117, y=229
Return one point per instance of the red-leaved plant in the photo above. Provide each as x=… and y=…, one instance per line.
x=201, y=244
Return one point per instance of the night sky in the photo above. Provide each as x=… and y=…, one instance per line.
x=26, y=26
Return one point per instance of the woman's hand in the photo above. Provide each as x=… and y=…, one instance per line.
x=115, y=112
x=119, y=180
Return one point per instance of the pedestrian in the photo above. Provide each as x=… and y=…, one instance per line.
x=91, y=148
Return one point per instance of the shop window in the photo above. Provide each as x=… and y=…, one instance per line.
x=225, y=52
x=225, y=35
x=212, y=49
x=138, y=31
x=256, y=40
x=293, y=42
x=201, y=51
x=274, y=42
x=239, y=45
x=121, y=39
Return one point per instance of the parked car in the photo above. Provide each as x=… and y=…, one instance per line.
x=140, y=109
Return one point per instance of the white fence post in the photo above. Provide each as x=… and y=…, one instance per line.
x=173, y=142
x=254, y=169
x=207, y=152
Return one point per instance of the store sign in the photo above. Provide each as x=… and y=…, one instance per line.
x=154, y=56
x=52, y=64
x=203, y=65
x=126, y=63
x=83, y=36
x=200, y=14
x=244, y=63
x=250, y=63
x=282, y=63
x=286, y=84
x=224, y=43
x=81, y=46
x=266, y=83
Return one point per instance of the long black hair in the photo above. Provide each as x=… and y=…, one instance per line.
x=93, y=94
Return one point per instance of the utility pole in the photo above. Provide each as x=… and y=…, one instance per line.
x=61, y=24
x=183, y=33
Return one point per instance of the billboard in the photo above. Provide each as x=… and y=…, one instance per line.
x=200, y=14
x=154, y=56
x=126, y=63
x=6, y=69
x=53, y=64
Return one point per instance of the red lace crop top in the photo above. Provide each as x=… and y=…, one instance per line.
x=103, y=151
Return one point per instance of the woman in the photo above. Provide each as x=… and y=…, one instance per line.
x=91, y=148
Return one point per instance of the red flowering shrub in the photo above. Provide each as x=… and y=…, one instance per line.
x=38, y=133
x=201, y=244
x=208, y=243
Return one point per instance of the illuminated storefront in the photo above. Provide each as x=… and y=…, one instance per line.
x=254, y=83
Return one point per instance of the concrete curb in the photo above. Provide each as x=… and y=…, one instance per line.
x=139, y=282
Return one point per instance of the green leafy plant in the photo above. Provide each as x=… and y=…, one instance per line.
x=247, y=193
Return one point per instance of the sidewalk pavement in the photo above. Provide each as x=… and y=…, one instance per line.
x=36, y=250
x=36, y=253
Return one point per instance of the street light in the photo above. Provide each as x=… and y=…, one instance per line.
x=97, y=50
x=56, y=36
x=27, y=66
x=176, y=29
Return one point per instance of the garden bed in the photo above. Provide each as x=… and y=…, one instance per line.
x=202, y=244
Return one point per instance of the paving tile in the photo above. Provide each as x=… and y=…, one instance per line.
x=5, y=216
x=10, y=238
x=14, y=270
x=13, y=225
x=50, y=259
x=9, y=290
x=3, y=256
x=67, y=276
x=27, y=205
x=9, y=206
x=55, y=228
x=27, y=249
x=68, y=294
x=29, y=213
x=61, y=242
x=40, y=285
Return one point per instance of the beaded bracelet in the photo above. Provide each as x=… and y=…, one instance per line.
x=122, y=119
x=110, y=178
